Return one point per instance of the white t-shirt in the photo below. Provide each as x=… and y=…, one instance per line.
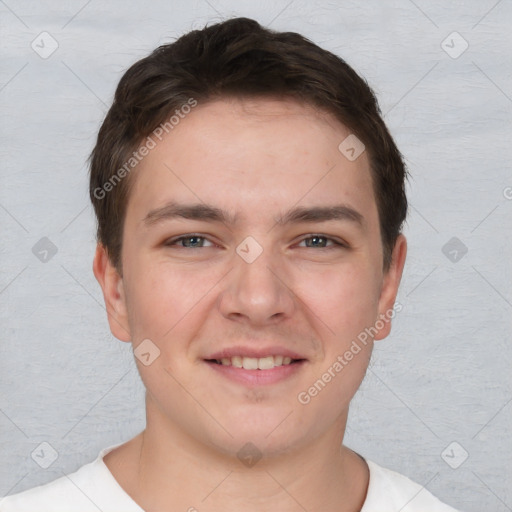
x=93, y=488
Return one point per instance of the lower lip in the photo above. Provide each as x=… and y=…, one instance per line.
x=257, y=377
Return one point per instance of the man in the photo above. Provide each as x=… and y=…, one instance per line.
x=249, y=201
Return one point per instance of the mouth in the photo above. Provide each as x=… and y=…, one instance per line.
x=255, y=363
x=256, y=371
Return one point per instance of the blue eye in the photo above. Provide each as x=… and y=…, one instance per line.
x=196, y=241
x=190, y=241
x=320, y=241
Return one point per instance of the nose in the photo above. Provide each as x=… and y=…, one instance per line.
x=257, y=292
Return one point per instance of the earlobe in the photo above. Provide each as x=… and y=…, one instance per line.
x=390, y=284
x=112, y=287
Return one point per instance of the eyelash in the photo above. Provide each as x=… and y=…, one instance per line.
x=335, y=243
x=172, y=242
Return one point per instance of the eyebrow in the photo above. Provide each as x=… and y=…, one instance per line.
x=197, y=211
x=204, y=212
x=323, y=214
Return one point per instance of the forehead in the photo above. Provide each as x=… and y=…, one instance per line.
x=251, y=157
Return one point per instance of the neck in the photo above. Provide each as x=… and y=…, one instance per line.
x=165, y=466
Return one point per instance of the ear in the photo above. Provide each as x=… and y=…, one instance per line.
x=389, y=290
x=113, y=293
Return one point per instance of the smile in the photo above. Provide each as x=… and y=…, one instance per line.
x=256, y=371
x=255, y=363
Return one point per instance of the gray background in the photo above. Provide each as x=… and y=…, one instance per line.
x=441, y=377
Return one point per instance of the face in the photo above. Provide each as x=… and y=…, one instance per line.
x=252, y=261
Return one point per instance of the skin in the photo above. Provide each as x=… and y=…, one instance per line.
x=256, y=159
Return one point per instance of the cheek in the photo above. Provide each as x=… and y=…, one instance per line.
x=344, y=304
x=162, y=298
x=166, y=306
x=345, y=300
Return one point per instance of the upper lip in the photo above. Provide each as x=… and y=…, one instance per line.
x=254, y=352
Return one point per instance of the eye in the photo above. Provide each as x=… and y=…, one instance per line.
x=320, y=241
x=192, y=241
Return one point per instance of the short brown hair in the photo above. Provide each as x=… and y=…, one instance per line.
x=238, y=58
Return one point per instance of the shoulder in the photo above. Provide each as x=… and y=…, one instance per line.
x=61, y=494
x=92, y=487
x=389, y=490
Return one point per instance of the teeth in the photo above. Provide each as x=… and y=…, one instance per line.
x=255, y=363
x=237, y=361
x=266, y=363
x=250, y=363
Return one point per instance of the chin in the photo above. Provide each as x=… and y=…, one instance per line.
x=270, y=433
